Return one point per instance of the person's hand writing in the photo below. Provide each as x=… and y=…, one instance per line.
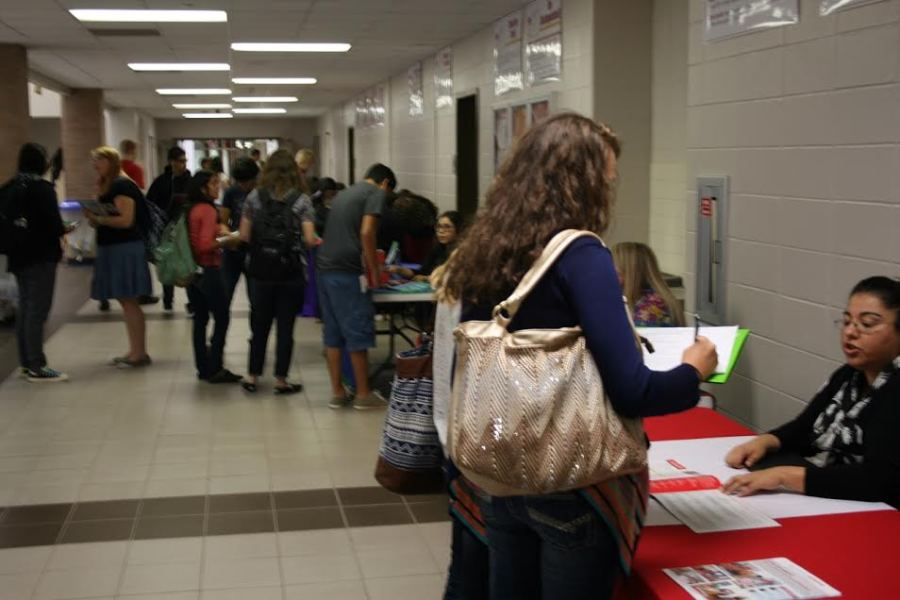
x=748, y=454
x=702, y=356
x=787, y=478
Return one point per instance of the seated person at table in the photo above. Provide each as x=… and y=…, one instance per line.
x=844, y=445
x=652, y=302
x=449, y=227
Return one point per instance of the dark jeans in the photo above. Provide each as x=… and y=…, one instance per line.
x=233, y=266
x=468, y=575
x=276, y=301
x=207, y=296
x=168, y=295
x=36, y=283
x=552, y=547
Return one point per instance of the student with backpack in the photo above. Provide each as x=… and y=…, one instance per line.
x=277, y=217
x=30, y=231
x=207, y=291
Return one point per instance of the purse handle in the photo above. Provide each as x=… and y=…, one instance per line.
x=554, y=249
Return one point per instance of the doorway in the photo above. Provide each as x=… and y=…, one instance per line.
x=351, y=156
x=467, y=155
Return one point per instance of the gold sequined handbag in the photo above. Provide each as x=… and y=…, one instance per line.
x=528, y=413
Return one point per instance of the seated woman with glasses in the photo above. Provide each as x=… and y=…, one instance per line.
x=449, y=227
x=844, y=445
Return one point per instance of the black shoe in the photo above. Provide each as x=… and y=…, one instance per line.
x=147, y=300
x=225, y=376
x=287, y=389
x=167, y=306
x=104, y=305
x=249, y=387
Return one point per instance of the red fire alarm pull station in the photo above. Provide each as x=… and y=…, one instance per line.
x=706, y=207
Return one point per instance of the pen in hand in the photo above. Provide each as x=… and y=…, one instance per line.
x=696, y=326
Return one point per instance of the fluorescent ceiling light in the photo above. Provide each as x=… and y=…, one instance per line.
x=274, y=80
x=276, y=99
x=259, y=111
x=179, y=66
x=200, y=106
x=208, y=115
x=288, y=47
x=102, y=15
x=193, y=92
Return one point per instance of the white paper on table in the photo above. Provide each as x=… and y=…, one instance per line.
x=669, y=343
x=707, y=456
x=768, y=579
x=707, y=511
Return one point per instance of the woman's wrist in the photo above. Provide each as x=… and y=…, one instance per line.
x=793, y=479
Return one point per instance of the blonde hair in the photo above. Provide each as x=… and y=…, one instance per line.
x=115, y=164
x=639, y=270
x=281, y=175
x=304, y=157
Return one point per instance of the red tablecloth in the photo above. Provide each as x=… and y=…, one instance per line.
x=855, y=553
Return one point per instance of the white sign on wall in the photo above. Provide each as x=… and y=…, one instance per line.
x=508, y=54
x=543, y=46
x=416, y=93
x=443, y=78
x=727, y=18
x=826, y=7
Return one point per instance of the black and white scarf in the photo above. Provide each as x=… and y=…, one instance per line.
x=837, y=430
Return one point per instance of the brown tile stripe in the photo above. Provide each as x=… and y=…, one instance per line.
x=224, y=514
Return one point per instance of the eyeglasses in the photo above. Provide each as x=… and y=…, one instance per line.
x=862, y=327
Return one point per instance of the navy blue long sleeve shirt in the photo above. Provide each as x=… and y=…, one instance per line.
x=583, y=289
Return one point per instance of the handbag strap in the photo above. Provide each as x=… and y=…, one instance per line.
x=506, y=310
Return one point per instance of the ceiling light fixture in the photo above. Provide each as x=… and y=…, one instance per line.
x=103, y=15
x=259, y=111
x=276, y=99
x=179, y=66
x=208, y=115
x=193, y=92
x=289, y=47
x=274, y=80
x=200, y=106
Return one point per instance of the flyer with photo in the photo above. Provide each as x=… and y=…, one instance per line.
x=770, y=579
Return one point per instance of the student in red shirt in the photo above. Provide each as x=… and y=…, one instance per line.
x=130, y=165
x=207, y=292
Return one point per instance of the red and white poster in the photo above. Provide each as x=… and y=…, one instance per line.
x=508, y=54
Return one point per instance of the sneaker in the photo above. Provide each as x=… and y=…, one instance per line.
x=338, y=402
x=46, y=375
x=104, y=306
x=372, y=401
x=225, y=376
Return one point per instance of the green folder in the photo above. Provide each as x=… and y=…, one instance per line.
x=739, y=342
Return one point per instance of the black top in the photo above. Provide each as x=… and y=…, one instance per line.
x=877, y=478
x=233, y=200
x=121, y=186
x=438, y=256
x=45, y=225
x=168, y=187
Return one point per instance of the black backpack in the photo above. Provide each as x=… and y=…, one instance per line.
x=13, y=221
x=276, y=248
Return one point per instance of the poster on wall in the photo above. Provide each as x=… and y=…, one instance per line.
x=416, y=91
x=543, y=45
x=728, y=18
x=827, y=7
x=361, y=112
x=540, y=110
x=379, y=112
x=508, y=54
x=502, y=135
x=443, y=78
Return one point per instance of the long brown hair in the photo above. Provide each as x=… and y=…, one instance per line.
x=281, y=175
x=639, y=270
x=115, y=166
x=557, y=177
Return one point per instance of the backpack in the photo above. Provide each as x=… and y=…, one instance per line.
x=13, y=222
x=276, y=248
x=151, y=224
x=175, y=264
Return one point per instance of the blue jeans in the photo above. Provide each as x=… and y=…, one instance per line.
x=233, y=266
x=207, y=297
x=551, y=547
x=36, y=283
x=467, y=578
